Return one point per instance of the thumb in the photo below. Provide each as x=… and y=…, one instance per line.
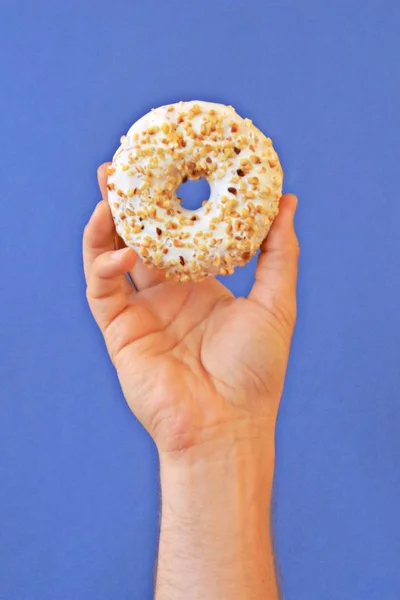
x=276, y=273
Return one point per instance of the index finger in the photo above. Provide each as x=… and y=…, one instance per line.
x=98, y=236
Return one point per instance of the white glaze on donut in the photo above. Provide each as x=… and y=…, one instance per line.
x=193, y=140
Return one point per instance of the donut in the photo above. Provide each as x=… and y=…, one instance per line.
x=191, y=140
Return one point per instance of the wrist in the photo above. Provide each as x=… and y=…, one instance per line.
x=232, y=440
x=216, y=511
x=234, y=471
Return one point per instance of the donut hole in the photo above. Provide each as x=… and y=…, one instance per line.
x=193, y=193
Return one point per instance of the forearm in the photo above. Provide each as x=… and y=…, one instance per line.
x=215, y=540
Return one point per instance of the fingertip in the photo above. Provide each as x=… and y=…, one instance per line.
x=282, y=232
x=102, y=176
x=113, y=264
x=127, y=255
x=102, y=169
x=130, y=258
x=289, y=202
x=126, y=258
x=99, y=206
x=287, y=209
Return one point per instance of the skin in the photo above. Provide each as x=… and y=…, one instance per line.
x=203, y=372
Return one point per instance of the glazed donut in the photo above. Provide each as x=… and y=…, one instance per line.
x=190, y=140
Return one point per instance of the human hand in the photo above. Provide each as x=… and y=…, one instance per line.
x=192, y=360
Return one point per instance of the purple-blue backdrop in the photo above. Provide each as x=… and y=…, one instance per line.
x=79, y=500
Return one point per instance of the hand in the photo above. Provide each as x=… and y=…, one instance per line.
x=194, y=361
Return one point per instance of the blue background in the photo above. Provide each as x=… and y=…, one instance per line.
x=79, y=495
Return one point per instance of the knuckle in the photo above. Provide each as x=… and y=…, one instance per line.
x=297, y=247
x=89, y=296
x=290, y=253
x=293, y=248
x=86, y=233
x=285, y=312
x=294, y=243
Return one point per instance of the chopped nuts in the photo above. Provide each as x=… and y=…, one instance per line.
x=190, y=147
x=171, y=225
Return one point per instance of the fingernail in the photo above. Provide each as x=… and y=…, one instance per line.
x=119, y=254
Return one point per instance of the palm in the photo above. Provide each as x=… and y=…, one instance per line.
x=194, y=354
